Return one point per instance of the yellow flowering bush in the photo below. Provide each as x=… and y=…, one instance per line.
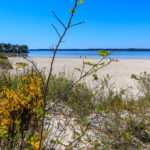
x=20, y=110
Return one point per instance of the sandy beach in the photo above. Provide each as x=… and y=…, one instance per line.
x=120, y=71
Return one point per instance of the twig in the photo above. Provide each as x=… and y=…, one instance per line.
x=77, y=140
x=35, y=66
x=56, y=30
x=78, y=23
x=106, y=146
x=83, y=67
x=51, y=69
x=58, y=19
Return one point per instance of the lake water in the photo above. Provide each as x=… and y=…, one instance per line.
x=92, y=54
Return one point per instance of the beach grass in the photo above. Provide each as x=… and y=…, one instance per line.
x=5, y=64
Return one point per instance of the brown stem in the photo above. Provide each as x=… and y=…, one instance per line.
x=50, y=73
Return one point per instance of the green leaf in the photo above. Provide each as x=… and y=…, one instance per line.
x=103, y=53
x=17, y=122
x=78, y=69
x=82, y=130
x=28, y=148
x=86, y=122
x=57, y=141
x=21, y=65
x=102, y=64
x=90, y=64
x=95, y=76
x=96, y=144
x=33, y=138
x=52, y=141
x=81, y=1
x=40, y=110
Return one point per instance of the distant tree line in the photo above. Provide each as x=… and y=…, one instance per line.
x=10, y=48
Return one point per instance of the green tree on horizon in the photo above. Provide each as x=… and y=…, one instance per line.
x=10, y=48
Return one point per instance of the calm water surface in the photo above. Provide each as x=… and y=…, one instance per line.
x=92, y=54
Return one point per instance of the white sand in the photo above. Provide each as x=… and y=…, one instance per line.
x=120, y=71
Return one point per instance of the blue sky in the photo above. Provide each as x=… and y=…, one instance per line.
x=110, y=23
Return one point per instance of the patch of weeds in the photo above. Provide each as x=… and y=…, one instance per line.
x=58, y=86
x=81, y=100
x=5, y=64
x=21, y=64
x=78, y=97
x=143, y=82
x=3, y=56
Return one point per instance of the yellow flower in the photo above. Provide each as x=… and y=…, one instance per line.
x=6, y=74
x=14, y=102
x=24, y=78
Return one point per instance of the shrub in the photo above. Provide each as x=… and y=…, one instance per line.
x=143, y=83
x=80, y=101
x=57, y=87
x=20, y=111
x=78, y=98
x=3, y=56
x=11, y=81
x=5, y=64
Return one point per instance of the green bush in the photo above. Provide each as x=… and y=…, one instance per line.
x=81, y=101
x=58, y=86
x=5, y=64
x=144, y=83
x=78, y=98
x=3, y=56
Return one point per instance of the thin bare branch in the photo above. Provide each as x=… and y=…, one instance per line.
x=77, y=140
x=51, y=69
x=108, y=145
x=78, y=23
x=58, y=19
x=83, y=67
x=35, y=67
x=56, y=30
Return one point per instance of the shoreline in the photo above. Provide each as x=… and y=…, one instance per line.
x=92, y=49
x=80, y=58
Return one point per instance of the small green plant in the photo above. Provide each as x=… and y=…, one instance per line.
x=80, y=101
x=143, y=82
x=3, y=56
x=57, y=86
x=21, y=64
x=77, y=98
x=5, y=64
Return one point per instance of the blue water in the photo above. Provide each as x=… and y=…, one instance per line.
x=92, y=54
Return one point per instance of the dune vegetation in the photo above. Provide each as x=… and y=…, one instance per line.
x=75, y=116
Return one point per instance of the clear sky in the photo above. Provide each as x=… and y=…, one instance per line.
x=110, y=23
